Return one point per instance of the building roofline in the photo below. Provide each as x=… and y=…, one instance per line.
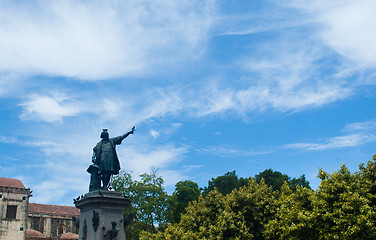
x=57, y=210
x=11, y=183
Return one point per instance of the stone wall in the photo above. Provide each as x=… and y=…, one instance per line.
x=13, y=212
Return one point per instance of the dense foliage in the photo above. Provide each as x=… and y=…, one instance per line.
x=149, y=202
x=225, y=184
x=185, y=192
x=276, y=179
x=343, y=207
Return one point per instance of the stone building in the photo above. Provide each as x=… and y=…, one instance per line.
x=14, y=200
x=52, y=220
x=43, y=221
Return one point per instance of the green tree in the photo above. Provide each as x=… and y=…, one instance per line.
x=367, y=175
x=276, y=179
x=272, y=178
x=343, y=204
x=185, y=192
x=301, y=181
x=238, y=215
x=343, y=207
x=148, y=201
x=294, y=215
x=225, y=183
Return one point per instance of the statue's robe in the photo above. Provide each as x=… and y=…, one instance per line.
x=105, y=154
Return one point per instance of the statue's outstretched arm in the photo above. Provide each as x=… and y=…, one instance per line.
x=130, y=132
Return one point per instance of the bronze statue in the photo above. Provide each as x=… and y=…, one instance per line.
x=105, y=160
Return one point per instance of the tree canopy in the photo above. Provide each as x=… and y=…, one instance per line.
x=148, y=201
x=265, y=207
x=276, y=179
x=225, y=183
x=185, y=192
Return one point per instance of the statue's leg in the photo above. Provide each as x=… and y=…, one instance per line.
x=106, y=179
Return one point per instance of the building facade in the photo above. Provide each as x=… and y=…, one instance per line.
x=14, y=201
x=17, y=215
x=52, y=220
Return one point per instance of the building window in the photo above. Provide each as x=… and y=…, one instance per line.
x=34, y=222
x=11, y=212
x=61, y=230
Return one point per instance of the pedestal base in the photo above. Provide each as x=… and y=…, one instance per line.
x=102, y=215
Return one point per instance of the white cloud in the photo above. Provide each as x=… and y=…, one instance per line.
x=12, y=84
x=55, y=106
x=296, y=69
x=280, y=76
x=335, y=142
x=100, y=39
x=349, y=27
x=360, y=133
x=145, y=158
x=227, y=151
x=15, y=140
x=171, y=177
x=351, y=30
x=8, y=140
x=159, y=156
x=49, y=108
x=110, y=108
x=57, y=190
x=154, y=133
x=361, y=126
x=264, y=97
x=59, y=179
x=193, y=167
x=267, y=94
x=213, y=99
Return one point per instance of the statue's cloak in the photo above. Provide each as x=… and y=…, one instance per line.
x=105, y=155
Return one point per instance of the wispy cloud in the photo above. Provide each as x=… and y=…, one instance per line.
x=335, y=142
x=54, y=106
x=141, y=159
x=49, y=108
x=193, y=167
x=227, y=151
x=62, y=183
x=305, y=57
x=99, y=40
x=289, y=71
x=360, y=133
x=274, y=75
x=14, y=140
x=347, y=26
x=12, y=84
x=361, y=126
x=8, y=140
x=154, y=133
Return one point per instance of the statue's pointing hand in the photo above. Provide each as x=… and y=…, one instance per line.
x=133, y=130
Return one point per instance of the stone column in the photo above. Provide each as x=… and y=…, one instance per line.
x=102, y=215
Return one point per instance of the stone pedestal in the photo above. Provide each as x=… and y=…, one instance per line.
x=101, y=216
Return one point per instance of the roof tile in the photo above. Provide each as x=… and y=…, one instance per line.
x=10, y=182
x=53, y=209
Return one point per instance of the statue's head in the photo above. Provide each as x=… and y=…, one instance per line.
x=105, y=134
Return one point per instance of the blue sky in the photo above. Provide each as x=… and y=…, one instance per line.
x=211, y=86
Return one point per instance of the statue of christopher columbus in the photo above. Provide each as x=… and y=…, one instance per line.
x=105, y=160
